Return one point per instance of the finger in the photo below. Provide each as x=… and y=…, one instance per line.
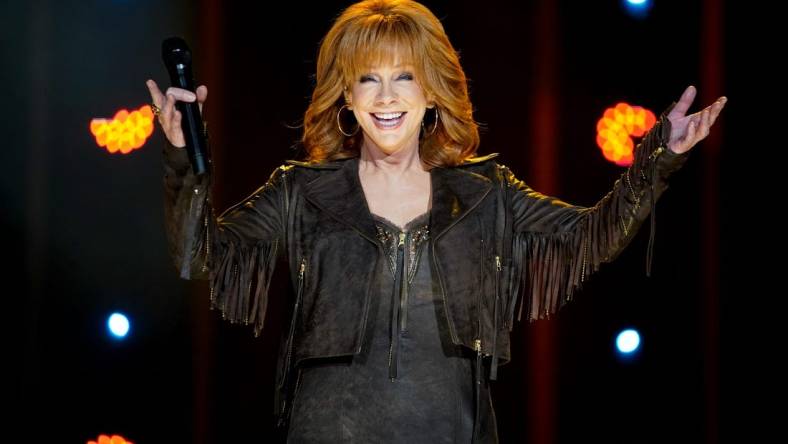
x=202, y=93
x=181, y=94
x=684, y=103
x=717, y=108
x=176, y=128
x=155, y=93
x=706, y=122
x=691, y=132
x=167, y=112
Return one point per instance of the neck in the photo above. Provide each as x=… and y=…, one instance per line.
x=374, y=160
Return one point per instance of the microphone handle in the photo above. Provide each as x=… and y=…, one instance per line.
x=192, y=126
x=191, y=121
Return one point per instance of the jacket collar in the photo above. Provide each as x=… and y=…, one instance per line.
x=455, y=192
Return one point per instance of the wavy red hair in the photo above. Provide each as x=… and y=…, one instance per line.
x=377, y=32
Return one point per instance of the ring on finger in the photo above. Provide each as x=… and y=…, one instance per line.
x=156, y=110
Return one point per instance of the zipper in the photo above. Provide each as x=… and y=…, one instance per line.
x=656, y=153
x=296, y=308
x=395, y=330
x=494, y=363
x=403, y=291
x=632, y=190
x=497, y=285
x=477, y=345
x=480, y=304
x=207, y=243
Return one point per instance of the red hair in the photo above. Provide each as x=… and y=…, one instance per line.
x=376, y=32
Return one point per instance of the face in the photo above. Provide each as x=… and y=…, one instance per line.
x=389, y=104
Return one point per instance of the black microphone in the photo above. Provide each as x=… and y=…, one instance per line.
x=178, y=60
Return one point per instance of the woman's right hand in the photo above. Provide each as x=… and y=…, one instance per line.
x=170, y=118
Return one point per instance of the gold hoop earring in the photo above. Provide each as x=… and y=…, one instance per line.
x=437, y=117
x=339, y=125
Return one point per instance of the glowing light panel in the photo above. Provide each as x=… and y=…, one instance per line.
x=114, y=439
x=614, y=131
x=125, y=132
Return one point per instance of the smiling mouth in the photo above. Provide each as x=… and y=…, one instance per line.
x=388, y=123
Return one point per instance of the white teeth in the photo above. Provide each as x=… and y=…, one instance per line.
x=387, y=115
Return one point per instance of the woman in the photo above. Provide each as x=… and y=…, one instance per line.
x=407, y=253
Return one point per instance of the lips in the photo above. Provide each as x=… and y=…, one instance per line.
x=388, y=123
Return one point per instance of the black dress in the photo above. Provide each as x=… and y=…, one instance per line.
x=414, y=388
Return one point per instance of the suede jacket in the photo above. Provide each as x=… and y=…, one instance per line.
x=494, y=240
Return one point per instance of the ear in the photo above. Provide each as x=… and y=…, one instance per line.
x=430, y=101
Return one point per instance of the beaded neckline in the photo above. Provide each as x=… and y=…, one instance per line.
x=408, y=226
x=388, y=235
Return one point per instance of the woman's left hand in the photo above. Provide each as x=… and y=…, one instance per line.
x=686, y=131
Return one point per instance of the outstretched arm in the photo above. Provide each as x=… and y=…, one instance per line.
x=556, y=245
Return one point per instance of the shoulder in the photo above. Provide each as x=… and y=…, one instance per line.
x=477, y=160
x=294, y=172
x=330, y=165
x=487, y=166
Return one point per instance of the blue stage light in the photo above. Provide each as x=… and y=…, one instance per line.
x=638, y=8
x=628, y=341
x=118, y=325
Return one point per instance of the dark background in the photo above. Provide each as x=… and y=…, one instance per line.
x=84, y=236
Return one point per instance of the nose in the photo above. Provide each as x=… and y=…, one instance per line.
x=386, y=93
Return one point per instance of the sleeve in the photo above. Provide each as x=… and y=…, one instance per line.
x=236, y=251
x=555, y=246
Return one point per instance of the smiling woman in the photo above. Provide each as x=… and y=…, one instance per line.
x=378, y=52
x=408, y=255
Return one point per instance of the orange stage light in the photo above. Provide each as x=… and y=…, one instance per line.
x=125, y=132
x=114, y=439
x=614, y=131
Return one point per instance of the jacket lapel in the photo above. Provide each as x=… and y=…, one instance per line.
x=455, y=192
x=339, y=193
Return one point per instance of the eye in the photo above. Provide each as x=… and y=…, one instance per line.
x=405, y=76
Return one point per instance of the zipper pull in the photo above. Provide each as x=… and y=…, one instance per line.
x=477, y=345
x=656, y=153
x=401, y=239
x=498, y=262
x=302, y=268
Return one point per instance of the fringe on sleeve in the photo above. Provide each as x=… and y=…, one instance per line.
x=546, y=268
x=233, y=252
x=239, y=279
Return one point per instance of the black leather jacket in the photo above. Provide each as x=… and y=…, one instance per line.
x=493, y=239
